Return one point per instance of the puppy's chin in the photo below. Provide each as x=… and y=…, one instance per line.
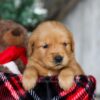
x=54, y=66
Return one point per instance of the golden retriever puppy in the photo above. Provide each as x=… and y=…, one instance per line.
x=51, y=52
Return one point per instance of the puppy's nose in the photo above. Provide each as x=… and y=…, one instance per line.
x=58, y=59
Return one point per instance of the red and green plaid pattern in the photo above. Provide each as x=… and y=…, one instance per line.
x=47, y=89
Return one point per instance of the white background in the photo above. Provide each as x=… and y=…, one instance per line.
x=84, y=22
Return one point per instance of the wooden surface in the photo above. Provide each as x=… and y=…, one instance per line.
x=84, y=22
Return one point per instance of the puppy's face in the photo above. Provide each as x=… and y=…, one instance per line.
x=51, y=45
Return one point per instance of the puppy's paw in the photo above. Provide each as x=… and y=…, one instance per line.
x=65, y=82
x=29, y=80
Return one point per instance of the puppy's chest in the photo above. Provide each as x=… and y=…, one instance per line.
x=47, y=72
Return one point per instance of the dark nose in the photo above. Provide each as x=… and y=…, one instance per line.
x=16, y=32
x=58, y=59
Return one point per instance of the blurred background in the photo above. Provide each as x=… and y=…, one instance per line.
x=82, y=17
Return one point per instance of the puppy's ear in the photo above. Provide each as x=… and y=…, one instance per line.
x=72, y=42
x=30, y=47
x=72, y=45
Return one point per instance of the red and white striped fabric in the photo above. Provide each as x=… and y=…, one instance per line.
x=47, y=88
x=83, y=89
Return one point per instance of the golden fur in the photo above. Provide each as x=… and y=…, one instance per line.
x=48, y=40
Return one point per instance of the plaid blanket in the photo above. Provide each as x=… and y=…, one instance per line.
x=47, y=89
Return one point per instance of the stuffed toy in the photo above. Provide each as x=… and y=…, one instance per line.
x=13, y=44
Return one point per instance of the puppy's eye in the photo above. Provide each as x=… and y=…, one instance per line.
x=65, y=44
x=46, y=46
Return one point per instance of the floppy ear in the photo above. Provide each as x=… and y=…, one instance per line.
x=30, y=47
x=72, y=42
x=72, y=45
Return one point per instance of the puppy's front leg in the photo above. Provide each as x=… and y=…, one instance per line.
x=66, y=78
x=29, y=79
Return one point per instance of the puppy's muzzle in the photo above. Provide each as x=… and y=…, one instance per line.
x=58, y=59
